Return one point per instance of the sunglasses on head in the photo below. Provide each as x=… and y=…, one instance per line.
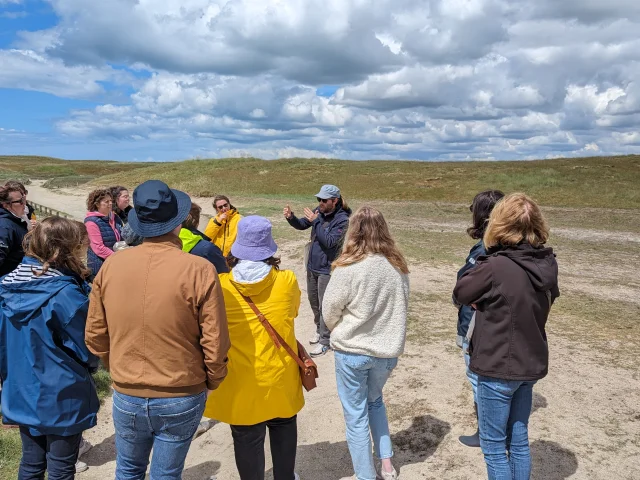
x=220, y=207
x=322, y=200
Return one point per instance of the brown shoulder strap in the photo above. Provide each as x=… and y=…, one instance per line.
x=275, y=336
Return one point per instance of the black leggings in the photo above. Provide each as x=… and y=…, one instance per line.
x=248, y=444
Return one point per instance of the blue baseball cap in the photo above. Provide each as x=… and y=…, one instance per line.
x=328, y=191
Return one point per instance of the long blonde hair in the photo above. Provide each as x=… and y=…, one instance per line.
x=368, y=234
x=516, y=219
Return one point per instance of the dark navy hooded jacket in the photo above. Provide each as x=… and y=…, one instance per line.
x=466, y=312
x=327, y=234
x=12, y=231
x=44, y=362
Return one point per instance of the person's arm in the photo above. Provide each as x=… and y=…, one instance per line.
x=298, y=223
x=214, y=341
x=332, y=236
x=96, y=242
x=336, y=297
x=97, y=330
x=474, y=285
x=73, y=329
x=213, y=227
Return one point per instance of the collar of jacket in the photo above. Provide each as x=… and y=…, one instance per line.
x=168, y=240
x=4, y=213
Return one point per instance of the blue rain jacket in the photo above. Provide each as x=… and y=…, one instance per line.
x=44, y=363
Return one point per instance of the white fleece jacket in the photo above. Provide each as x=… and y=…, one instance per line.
x=365, y=307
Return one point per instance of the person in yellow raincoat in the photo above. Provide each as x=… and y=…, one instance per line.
x=263, y=386
x=223, y=228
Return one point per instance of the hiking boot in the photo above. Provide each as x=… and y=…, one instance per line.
x=315, y=338
x=472, y=441
x=320, y=350
x=81, y=467
x=85, y=446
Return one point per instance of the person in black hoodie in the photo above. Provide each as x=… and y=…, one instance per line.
x=12, y=227
x=512, y=289
x=480, y=208
x=121, y=205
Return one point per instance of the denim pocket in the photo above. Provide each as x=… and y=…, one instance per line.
x=392, y=363
x=124, y=422
x=357, y=362
x=182, y=425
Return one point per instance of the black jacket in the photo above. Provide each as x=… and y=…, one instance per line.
x=12, y=231
x=513, y=289
x=327, y=234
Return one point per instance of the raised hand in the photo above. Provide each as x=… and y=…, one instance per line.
x=310, y=214
x=286, y=211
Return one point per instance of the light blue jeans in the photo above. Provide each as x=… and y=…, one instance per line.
x=165, y=424
x=360, y=381
x=473, y=378
x=504, y=407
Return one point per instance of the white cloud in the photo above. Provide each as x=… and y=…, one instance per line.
x=448, y=79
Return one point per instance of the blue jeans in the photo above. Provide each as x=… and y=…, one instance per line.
x=52, y=453
x=360, y=380
x=473, y=378
x=504, y=407
x=165, y=424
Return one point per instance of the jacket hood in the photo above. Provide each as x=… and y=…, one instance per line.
x=252, y=289
x=189, y=239
x=539, y=263
x=21, y=301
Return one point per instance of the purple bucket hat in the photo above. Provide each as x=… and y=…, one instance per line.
x=254, y=241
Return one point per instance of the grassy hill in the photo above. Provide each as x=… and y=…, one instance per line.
x=609, y=182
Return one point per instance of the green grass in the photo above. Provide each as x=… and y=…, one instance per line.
x=603, y=182
x=10, y=445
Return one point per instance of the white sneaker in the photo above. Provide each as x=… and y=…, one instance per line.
x=85, y=446
x=315, y=338
x=81, y=467
x=296, y=476
x=204, y=426
x=382, y=475
x=319, y=350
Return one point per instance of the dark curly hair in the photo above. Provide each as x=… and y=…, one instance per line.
x=481, y=208
x=273, y=261
x=95, y=197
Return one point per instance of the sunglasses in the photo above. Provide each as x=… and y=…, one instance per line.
x=220, y=207
x=22, y=201
x=322, y=200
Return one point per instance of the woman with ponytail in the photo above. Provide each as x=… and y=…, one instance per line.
x=44, y=363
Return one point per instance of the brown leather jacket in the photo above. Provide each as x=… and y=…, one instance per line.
x=513, y=289
x=157, y=320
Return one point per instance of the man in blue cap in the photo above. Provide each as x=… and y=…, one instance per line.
x=157, y=320
x=328, y=223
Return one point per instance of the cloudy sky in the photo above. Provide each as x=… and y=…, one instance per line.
x=357, y=79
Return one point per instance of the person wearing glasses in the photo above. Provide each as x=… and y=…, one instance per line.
x=13, y=227
x=29, y=213
x=328, y=223
x=104, y=228
x=223, y=228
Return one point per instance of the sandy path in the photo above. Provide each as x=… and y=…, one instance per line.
x=585, y=423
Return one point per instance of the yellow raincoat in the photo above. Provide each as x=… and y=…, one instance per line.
x=263, y=382
x=223, y=234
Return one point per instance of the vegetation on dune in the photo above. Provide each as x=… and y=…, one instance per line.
x=607, y=182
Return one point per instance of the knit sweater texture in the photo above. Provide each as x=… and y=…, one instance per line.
x=365, y=307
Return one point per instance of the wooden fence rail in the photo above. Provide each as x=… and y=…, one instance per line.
x=48, y=211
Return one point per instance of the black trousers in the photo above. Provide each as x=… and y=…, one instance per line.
x=52, y=453
x=248, y=445
x=316, y=286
